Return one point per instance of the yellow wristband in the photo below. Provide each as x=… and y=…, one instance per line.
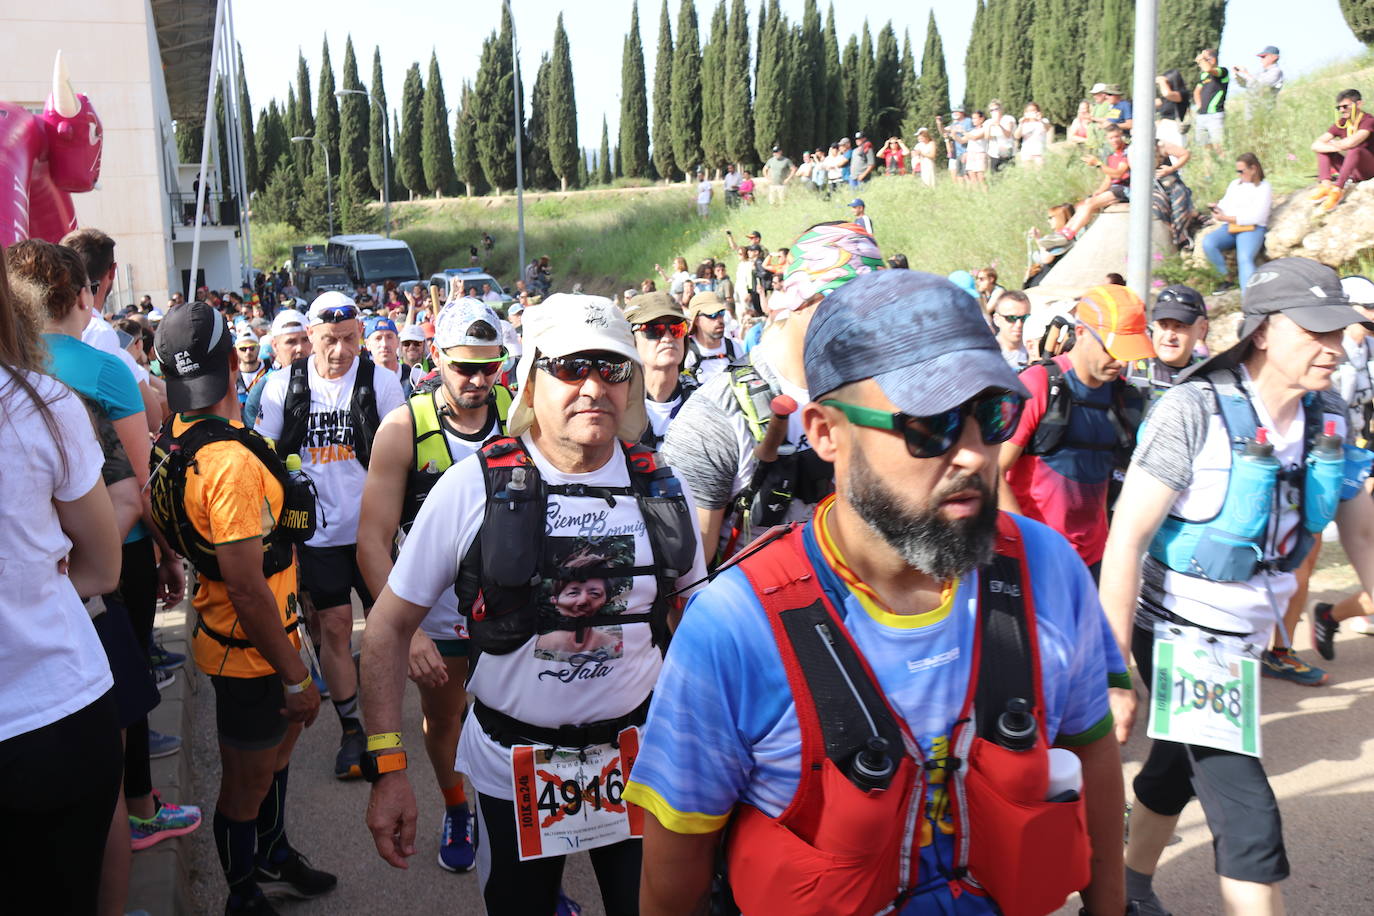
x=383, y=741
x=302, y=687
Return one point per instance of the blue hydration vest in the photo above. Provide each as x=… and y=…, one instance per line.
x=1229, y=546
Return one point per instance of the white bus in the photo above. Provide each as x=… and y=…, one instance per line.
x=372, y=259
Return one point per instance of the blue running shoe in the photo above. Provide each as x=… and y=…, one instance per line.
x=163, y=658
x=169, y=821
x=160, y=745
x=455, y=846
x=567, y=906
x=1285, y=665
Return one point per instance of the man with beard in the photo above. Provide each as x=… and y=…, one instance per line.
x=414, y=445
x=709, y=352
x=818, y=698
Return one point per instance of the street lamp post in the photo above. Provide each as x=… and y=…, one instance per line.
x=519, y=142
x=328, y=177
x=386, y=152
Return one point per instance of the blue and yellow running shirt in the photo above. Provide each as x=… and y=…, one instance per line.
x=723, y=729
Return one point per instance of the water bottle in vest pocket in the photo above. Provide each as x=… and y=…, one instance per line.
x=1325, y=478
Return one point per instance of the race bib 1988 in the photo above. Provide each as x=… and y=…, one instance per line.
x=570, y=800
x=1206, y=690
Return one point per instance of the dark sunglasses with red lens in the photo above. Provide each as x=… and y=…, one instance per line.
x=654, y=330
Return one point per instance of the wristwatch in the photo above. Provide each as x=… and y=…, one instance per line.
x=376, y=764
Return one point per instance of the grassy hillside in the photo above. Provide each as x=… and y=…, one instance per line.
x=611, y=239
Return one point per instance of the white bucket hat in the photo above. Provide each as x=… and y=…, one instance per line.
x=565, y=324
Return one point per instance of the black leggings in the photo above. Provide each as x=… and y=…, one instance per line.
x=514, y=888
x=138, y=588
x=58, y=786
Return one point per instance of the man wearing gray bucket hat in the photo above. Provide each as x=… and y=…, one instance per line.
x=567, y=545
x=840, y=653
x=1238, y=468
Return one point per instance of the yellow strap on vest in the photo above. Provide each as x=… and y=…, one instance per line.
x=430, y=441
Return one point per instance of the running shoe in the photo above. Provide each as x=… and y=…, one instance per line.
x=347, y=762
x=1362, y=625
x=165, y=678
x=294, y=877
x=455, y=846
x=160, y=745
x=566, y=905
x=1324, y=627
x=1285, y=665
x=169, y=821
x=1148, y=906
x=163, y=659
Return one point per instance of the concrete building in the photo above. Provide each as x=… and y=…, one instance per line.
x=145, y=64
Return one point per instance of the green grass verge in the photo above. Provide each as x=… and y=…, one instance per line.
x=611, y=239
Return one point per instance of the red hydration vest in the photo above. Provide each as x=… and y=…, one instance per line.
x=841, y=849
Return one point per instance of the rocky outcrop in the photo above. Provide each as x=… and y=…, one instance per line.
x=1297, y=228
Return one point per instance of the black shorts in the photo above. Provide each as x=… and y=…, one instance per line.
x=1241, y=810
x=135, y=691
x=248, y=711
x=1121, y=192
x=329, y=573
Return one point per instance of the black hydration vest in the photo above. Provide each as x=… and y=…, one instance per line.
x=500, y=577
x=1052, y=433
x=362, y=407
x=172, y=456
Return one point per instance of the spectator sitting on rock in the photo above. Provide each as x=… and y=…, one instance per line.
x=1042, y=251
x=1245, y=212
x=1345, y=151
x=1115, y=186
x=1171, y=199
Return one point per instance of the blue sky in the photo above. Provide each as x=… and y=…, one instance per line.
x=1310, y=33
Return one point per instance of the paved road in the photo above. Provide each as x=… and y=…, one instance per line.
x=1318, y=743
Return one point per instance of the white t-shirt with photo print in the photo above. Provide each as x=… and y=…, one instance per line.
x=554, y=679
x=327, y=455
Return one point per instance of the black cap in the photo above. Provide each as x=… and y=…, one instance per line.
x=1307, y=291
x=1179, y=302
x=754, y=235
x=193, y=344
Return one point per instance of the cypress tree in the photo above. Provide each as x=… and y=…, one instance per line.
x=252, y=175
x=615, y=163
x=664, y=161
x=189, y=139
x=738, y=106
x=834, y=110
x=887, y=76
x=687, y=89
x=466, y=165
x=849, y=78
x=221, y=142
x=538, y=167
x=303, y=125
x=911, y=89
x=353, y=132
x=270, y=142
x=934, y=82
x=604, y=174
x=1056, y=61
x=975, y=59
x=290, y=114
x=866, y=86
x=809, y=82
x=1193, y=25
x=713, y=90
x=493, y=98
x=1018, y=30
x=1359, y=15
x=327, y=111
x=377, y=126
x=634, y=105
x=562, y=139
x=1110, y=41
x=435, y=150
x=762, y=36
x=409, y=163
x=771, y=94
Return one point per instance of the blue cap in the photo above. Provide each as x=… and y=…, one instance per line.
x=373, y=325
x=1268, y=49
x=964, y=280
x=857, y=202
x=924, y=342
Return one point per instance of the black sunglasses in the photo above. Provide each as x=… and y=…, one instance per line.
x=656, y=329
x=1013, y=318
x=578, y=368
x=713, y=315
x=929, y=437
x=336, y=313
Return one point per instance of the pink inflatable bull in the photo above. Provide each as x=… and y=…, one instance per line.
x=44, y=159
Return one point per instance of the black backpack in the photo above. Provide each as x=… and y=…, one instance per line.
x=362, y=407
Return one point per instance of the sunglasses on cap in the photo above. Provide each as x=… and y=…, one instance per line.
x=336, y=313
x=472, y=367
x=578, y=368
x=654, y=330
x=930, y=437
